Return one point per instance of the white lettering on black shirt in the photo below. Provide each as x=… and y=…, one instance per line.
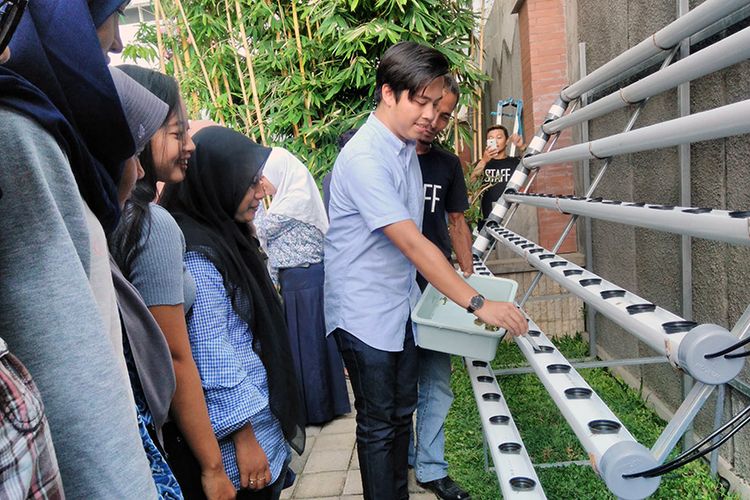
x=431, y=195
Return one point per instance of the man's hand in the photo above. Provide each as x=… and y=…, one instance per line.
x=217, y=486
x=489, y=154
x=255, y=471
x=503, y=315
x=517, y=140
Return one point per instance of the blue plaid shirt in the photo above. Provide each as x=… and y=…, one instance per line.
x=233, y=377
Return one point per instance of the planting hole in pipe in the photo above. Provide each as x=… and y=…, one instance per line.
x=499, y=419
x=678, y=326
x=612, y=202
x=590, y=281
x=536, y=250
x=481, y=364
x=544, y=349
x=641, y=308
x=510, y=447
x=534, y=333
x=558, y=368
x=638, y=204
x=527, y=245
x=697, y=210
x=611, y=294
x=547, y=256
x=572, y=272
x=578, y=393
x=605, y=426
x=485, y=378
x=662, y=207
x=739, y=214
x=595, y=200
x=520, y=483
x=558, y=263
x=491, y=396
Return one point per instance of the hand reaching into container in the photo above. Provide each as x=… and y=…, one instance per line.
x=503, y=314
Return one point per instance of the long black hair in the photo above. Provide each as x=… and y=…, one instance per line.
x=125, y=243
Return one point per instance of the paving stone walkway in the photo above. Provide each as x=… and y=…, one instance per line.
x=329, y=467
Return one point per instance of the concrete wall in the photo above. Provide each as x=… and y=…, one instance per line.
x=648, y=262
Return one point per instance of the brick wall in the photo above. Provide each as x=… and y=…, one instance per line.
x=544, y=67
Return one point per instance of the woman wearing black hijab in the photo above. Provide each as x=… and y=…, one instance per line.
x=236, y=326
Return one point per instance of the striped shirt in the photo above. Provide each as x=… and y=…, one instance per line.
x=233, y=377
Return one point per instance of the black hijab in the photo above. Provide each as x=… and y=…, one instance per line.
x=220, y=171
x=66, y=87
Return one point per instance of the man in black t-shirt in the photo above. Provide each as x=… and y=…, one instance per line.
x=444, y=225
x=496, y=167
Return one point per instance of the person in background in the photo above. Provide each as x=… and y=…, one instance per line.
x=445, y=226
x=27, y=455
x=67, y=138
x=148, y=247
x=496, y=166
x=373, y=247
x=147, y=356
x=237, y=329
x=292, y=230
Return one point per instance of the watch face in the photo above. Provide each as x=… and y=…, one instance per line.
x=476, y=302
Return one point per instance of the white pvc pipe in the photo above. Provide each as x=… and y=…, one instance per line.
x=697, y=19
x=509, y=467
x=725, y=121
x=646, y=326
x=715, y=225
x=722, y=54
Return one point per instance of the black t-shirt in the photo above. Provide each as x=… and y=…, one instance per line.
x=444, y=192
x=498, y=173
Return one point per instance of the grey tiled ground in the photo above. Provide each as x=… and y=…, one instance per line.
x=329, y=467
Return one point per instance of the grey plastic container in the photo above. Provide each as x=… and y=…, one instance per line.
x=444, y=326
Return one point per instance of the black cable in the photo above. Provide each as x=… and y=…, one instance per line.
x=673, y=466
x=694, y=453
x=743, y=354
x=728, y=349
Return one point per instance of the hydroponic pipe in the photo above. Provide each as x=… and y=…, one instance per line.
x=663, y=331
x=515, y=472
x=718, y=225
x=720, y=55
x=701, y=17
x=725, y=121
x=613, y=451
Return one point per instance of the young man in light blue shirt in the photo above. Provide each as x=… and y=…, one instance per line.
x=372, y=251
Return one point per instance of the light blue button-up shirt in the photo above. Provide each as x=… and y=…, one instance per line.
x=370, y=286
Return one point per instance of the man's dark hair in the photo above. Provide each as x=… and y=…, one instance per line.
x=498, y=127
x=408, y=66
x=451, y=85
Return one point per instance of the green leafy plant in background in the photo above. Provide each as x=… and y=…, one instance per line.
x=313, y=63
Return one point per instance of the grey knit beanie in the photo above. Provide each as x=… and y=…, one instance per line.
x=144, y=111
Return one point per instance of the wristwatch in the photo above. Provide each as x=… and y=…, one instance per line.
x=475, y=303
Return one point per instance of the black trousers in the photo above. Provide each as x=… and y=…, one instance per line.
x=385, y=396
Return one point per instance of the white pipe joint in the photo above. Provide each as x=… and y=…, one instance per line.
x=706, y=339
x=480, y=245
x=628, y=457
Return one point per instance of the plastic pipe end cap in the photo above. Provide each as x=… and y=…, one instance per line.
x=705, y=339
x=627, y=457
